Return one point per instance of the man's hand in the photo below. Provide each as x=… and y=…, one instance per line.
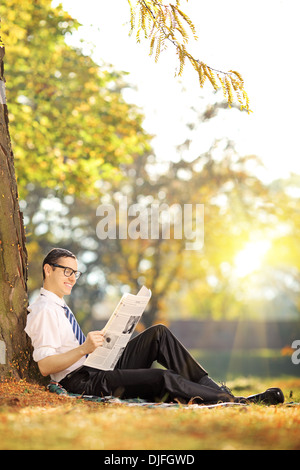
x=93, y=340
x=58, y=362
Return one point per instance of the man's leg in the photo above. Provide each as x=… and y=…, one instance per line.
x=153, y=385
x=158, y=343
x=133, y=376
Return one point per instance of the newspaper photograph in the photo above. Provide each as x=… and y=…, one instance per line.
x=118, y=330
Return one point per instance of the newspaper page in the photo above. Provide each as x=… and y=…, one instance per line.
x=118, y=330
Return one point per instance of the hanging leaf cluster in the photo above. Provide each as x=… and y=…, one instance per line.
x=160, y=23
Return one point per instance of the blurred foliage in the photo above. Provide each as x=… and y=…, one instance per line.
x=69, y=124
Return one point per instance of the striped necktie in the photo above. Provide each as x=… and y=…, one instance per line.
x=76, y=328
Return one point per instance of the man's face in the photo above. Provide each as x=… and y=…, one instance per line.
x=55, y=279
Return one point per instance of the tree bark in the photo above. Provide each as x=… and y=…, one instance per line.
x=15, y=350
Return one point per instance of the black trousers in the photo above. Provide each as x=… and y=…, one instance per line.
x=133, y=376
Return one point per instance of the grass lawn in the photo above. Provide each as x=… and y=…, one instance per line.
x=32, y=418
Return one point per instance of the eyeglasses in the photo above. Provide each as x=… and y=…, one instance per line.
x=68, y=271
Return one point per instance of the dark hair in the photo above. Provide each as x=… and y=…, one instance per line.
x=54, y=255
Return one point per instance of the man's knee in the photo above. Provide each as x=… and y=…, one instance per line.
x=158, y=328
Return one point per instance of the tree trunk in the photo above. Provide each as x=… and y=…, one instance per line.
x=15, y=350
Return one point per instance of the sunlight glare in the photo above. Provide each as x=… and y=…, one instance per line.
x=251, y=257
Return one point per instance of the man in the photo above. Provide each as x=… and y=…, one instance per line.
x=60, y=349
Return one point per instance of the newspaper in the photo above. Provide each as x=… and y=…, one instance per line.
x=118, y=330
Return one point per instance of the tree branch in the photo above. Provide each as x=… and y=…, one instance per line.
x=159, y=16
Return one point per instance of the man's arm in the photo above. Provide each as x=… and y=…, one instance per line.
x=58, y=362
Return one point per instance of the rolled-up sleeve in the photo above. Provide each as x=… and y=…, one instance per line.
x=43, y=329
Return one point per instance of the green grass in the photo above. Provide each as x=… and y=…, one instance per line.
x=227, y=365
x=28, y=421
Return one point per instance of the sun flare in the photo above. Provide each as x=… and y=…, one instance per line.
x=251, y=257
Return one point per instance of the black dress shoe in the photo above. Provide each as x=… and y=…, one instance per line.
x=272, y=396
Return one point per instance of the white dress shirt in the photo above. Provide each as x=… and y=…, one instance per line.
x=50, y=331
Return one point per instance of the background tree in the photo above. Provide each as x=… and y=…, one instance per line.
x=71, y=126
x=230, y=194
x=184, y=284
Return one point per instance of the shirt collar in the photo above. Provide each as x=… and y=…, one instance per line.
x=51, y=296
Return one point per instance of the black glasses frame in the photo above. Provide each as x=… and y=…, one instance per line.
x=67, y=270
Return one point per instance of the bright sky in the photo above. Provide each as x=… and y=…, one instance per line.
x=258, y=38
